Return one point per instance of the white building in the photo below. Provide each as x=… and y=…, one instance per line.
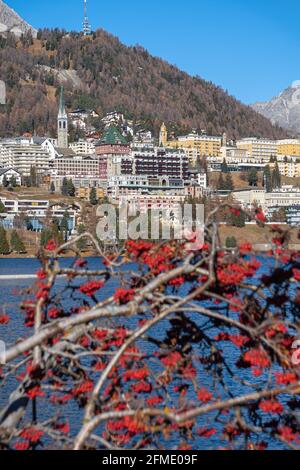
x=113, y=118
x=289, y=166
x=36, y=212
x=6, y=155
x=83, y=147
x=23, y=156
x=144, y=202
x=234, y=154
x=286, y=197
x=202, y=180
x=9, y=174
x=258, y=148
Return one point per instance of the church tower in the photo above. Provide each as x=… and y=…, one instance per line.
x=163, y=135
x=224, y=140
x=62, y=123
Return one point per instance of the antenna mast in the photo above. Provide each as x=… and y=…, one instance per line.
x=86, y=25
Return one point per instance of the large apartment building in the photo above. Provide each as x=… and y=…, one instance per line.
x=258, y=148
x=156, y=162
x=145, y=161
x=196, y=146
x=288, y=147
x=23, y=157
x=146, y=169
x=76, y=166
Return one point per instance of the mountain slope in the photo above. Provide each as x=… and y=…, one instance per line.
x=284, y=109
x=115, y=77
x=11, y=21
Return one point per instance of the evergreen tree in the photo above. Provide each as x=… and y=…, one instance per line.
x=81, y=244
x=46, y=235
x=64, y=226
x=26, y=182
x=33, y=177
x=224, y=167
x=13, y=181
x=4, y=245
x=231, y=242
x=276, y=177
x=51, y=233
x=253, y=177
x=52, y=188
x=64, y=188
x=93, y=197
x=236, y=218
x=229, y=182
x=56, y=233
x=240, y=220
x=2, y=208
x=5, y=182
x=268, y=179
x=221, y=186
x=16, y=243
x=71, y=188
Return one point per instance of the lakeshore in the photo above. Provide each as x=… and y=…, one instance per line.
x=259, y=237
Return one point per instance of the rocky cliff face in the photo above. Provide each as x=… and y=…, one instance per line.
x=283, y=109
x=11, y=21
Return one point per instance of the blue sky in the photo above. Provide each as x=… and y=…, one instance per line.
x=249, y=47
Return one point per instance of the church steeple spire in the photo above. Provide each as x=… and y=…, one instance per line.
x=62, y=108
x=62, y=122
x=163, y=135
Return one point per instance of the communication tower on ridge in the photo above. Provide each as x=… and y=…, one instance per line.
x=86, y=25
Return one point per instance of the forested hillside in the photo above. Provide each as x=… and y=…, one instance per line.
x=106, y=75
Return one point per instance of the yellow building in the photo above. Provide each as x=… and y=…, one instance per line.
x=258, y=148
x=196, y=146
x=84, y=193
x=288, y=147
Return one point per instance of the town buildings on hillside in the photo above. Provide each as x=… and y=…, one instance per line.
x=142, y=171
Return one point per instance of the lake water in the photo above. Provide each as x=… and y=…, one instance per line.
x=11, y=293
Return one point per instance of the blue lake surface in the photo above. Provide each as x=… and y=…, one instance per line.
x=13, y=290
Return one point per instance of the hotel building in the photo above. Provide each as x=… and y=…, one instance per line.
x=76, y=166
x=195, y=146
x=23, y=157
x=258, y=148
x=288, y=147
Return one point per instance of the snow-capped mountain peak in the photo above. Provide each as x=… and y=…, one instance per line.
x=11, y=21
x=284, y=109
